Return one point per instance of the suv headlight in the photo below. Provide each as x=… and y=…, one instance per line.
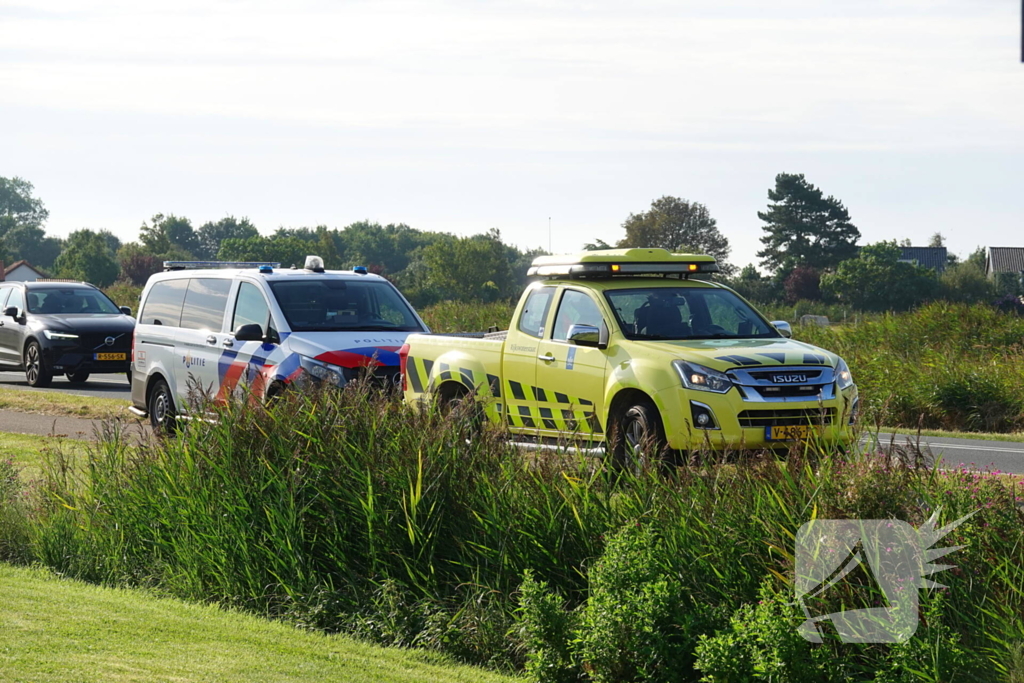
x=700, y=378
x=58, y=335
x=844, y=379
x=323, y=371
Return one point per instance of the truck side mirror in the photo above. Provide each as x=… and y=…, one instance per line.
x=588, y=335
x=783, y=327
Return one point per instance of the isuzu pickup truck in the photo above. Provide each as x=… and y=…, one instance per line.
x=638, y=351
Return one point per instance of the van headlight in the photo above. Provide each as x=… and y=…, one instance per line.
x=324, y=372
x=700, y=378
x=844, y=379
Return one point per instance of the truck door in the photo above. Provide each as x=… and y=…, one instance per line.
x=519, y=362
x=572, y=377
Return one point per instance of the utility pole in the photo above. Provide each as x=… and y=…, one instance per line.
x=549, y=234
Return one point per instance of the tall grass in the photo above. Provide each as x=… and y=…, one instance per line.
x=457, y=316
x=943, y=366
x=350, y=511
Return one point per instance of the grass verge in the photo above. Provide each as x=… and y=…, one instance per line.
x=61, y=630
x=26, y=451
x=54, y=403
x=1017, y=437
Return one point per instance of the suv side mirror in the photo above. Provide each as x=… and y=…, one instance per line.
x=783, y=327
x=250, y=332
x=588, y=335
x=12, y=312
x=126, y=310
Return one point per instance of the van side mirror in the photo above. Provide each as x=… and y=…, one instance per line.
x=250, y=332
x=783, y=327
x=126, y=310
x=588, y=335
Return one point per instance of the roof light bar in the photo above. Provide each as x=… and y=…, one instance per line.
x=190, y=265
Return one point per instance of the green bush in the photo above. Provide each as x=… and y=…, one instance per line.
x=546, y=629
x=762, y=644
x=14, y=526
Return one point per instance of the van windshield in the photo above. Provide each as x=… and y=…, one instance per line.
x=69, y=301
x=330, y=305
x=686, y=313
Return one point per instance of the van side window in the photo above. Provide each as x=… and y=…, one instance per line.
x=250, y=308
x=163, y=305
x=535, y=311
x=205, y=303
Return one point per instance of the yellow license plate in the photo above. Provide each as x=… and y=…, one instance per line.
x=788, y=433
x=110, y=356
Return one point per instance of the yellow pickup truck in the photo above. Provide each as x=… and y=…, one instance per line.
x=638, y=350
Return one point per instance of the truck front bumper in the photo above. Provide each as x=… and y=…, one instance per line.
x=732, y=423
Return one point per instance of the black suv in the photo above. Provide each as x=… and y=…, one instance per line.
x=69, y=328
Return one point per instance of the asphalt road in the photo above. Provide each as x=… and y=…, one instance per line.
x=100, y=386
x=949, y=453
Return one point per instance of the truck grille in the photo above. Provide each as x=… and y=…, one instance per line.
x=787, y=418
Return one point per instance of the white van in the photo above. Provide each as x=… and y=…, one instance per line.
x=209, y=330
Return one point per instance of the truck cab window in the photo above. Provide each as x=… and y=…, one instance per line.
x=576, y=308
x=535, y=311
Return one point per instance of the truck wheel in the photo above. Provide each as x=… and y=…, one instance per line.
x=638, y=439
x=161, y=408
x=456, y=398
x=36, y=372
x=78, y=377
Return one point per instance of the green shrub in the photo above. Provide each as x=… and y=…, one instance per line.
x=14, y=523
x=762, y=644
x=546, y=629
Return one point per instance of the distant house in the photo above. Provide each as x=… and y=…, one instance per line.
x=999, y=260
x=926, y=257
x=22, y=271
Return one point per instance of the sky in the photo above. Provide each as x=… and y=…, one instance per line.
x=461, y=116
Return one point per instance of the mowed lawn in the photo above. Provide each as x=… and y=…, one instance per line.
x=53, y=629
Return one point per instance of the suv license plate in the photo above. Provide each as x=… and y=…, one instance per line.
x=787, y=433
x=110, y=356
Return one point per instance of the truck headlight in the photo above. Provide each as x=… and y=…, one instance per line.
x=700, y=378
x=844, y=379
x=322, y=371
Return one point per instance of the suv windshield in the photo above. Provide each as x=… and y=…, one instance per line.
x=686, y=313
x=328, y=304
x=69, y=301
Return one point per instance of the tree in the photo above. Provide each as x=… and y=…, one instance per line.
x=287, y=250
x=751, y=285
x=136, y=264
x=966, y=283
x=469, y=268
x=18, y=206
x=937, y=240
x=596, y=245
x=803, y=284
x=805, y=228
x=878, y=281
x=87, y=257
x=29, y=242
x=677, y=224
x=210, y=235
x=166, y=233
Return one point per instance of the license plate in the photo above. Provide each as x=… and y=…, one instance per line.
x=787, y=433
x=110, y=356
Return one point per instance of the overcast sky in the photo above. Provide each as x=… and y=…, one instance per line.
x=461, y=116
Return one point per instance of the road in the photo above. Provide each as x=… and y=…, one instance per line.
x=99, y=386
x=1005, y=456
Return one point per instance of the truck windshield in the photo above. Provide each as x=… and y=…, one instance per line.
x=331, y=305
x=686, y=313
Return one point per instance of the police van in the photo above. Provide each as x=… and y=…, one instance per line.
x=210, y=330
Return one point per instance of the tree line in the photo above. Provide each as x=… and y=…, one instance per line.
x=810, y=252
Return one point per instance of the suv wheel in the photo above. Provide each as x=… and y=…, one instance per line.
x=161, y=408
x=36, y=372
x=78, y=377
x=639, y=438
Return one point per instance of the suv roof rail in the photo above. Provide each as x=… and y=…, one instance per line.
x=189, y=265
x=62, y=279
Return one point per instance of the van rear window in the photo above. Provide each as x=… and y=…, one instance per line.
x=163, y=304
x=205, y=303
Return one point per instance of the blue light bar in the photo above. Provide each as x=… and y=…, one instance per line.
x=190, y=265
